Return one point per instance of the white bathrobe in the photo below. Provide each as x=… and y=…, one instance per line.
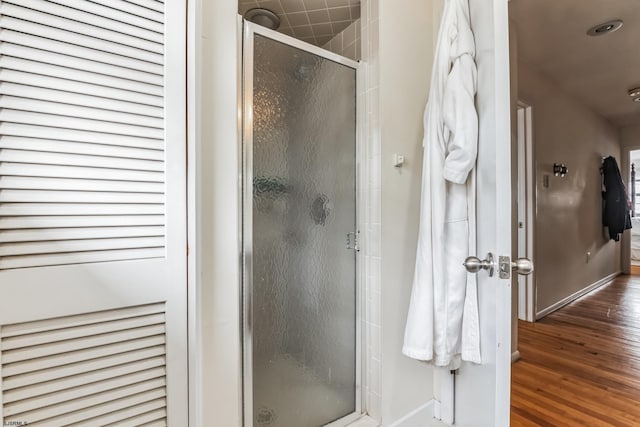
x=442, y=325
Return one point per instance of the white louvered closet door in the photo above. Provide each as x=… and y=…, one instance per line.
x=93, y=213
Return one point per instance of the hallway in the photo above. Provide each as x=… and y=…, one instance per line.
x=581, y=364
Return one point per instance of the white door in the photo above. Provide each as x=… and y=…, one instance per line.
x=482, y=391
x=92, y=213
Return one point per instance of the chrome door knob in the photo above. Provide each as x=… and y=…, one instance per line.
x=474, y=264
x=522, y=266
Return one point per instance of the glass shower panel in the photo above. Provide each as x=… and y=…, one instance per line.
x=303, y=306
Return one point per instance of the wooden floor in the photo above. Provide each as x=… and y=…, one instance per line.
x=580, y=366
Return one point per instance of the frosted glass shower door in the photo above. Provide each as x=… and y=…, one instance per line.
x=299, y=219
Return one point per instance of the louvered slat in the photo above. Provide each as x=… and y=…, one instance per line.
x=132, y=9
x=149, y=379
x=30, y=183
x=107, y=11
x=34, y=131
x=9, y=223
x=57, y=109
x=159, y=423
x=86, y=245
x=114, y=373
x=58, y=121
x=149, y=419
x=44, y=325
x=81, y=76
x=79, y=331
x=15, y=37
x=52, y=146
x=80, y=99
x=53, y=58
x=66, y=159
x=82, y=172
x=156, y=411
x=56, y=171
x=111, y=411
x=78, y=27
x=98, y=365
x=92, y=19
x=100, y=404
x=94, y=376
x=149, y=4
x=76, y=356
x=65, y=86
x=59, y=234
x=77, y=209
x=26, y=261
x=83, y=319
x=90, y=341
x=52, y=33
x=36, y=196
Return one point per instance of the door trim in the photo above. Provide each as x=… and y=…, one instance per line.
x=526, y=199
x=625, y=168
x=246, y=191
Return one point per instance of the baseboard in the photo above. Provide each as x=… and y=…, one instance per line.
x=364, y=421
x=576, y=295
x=419, y=417
x=515, y=356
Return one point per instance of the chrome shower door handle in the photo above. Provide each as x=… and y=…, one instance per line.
x=474, y=264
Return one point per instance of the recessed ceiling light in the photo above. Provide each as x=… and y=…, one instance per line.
x=605, y=28
x=634, y=92
x=637, y=99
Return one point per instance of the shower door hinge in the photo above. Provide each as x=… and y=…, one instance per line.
x=352, y=241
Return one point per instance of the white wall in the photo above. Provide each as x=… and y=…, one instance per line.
x=214, y=228
x=569, y=211
x=630, y=136
x=407, y=40
x=348, y=42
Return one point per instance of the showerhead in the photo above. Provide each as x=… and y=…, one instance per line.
x=263, y=17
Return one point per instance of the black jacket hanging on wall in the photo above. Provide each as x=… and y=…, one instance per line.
x=615, y=215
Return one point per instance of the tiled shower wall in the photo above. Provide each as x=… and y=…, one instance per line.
x=348, y=42
x=369, y=111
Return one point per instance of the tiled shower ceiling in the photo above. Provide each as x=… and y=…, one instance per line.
x=314, y=21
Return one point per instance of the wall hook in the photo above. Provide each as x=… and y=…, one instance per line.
x=559, y=169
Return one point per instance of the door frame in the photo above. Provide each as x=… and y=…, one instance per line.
x=526, y=209
x=489, y=22
x=248, y=30
x=625, y=168
x=213, y=235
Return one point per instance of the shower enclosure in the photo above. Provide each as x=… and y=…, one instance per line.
x=301, y=303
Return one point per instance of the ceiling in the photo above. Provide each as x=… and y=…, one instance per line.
x=314, y=21
x=597, y=70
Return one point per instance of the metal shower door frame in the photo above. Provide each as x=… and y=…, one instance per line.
x=249, y=30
